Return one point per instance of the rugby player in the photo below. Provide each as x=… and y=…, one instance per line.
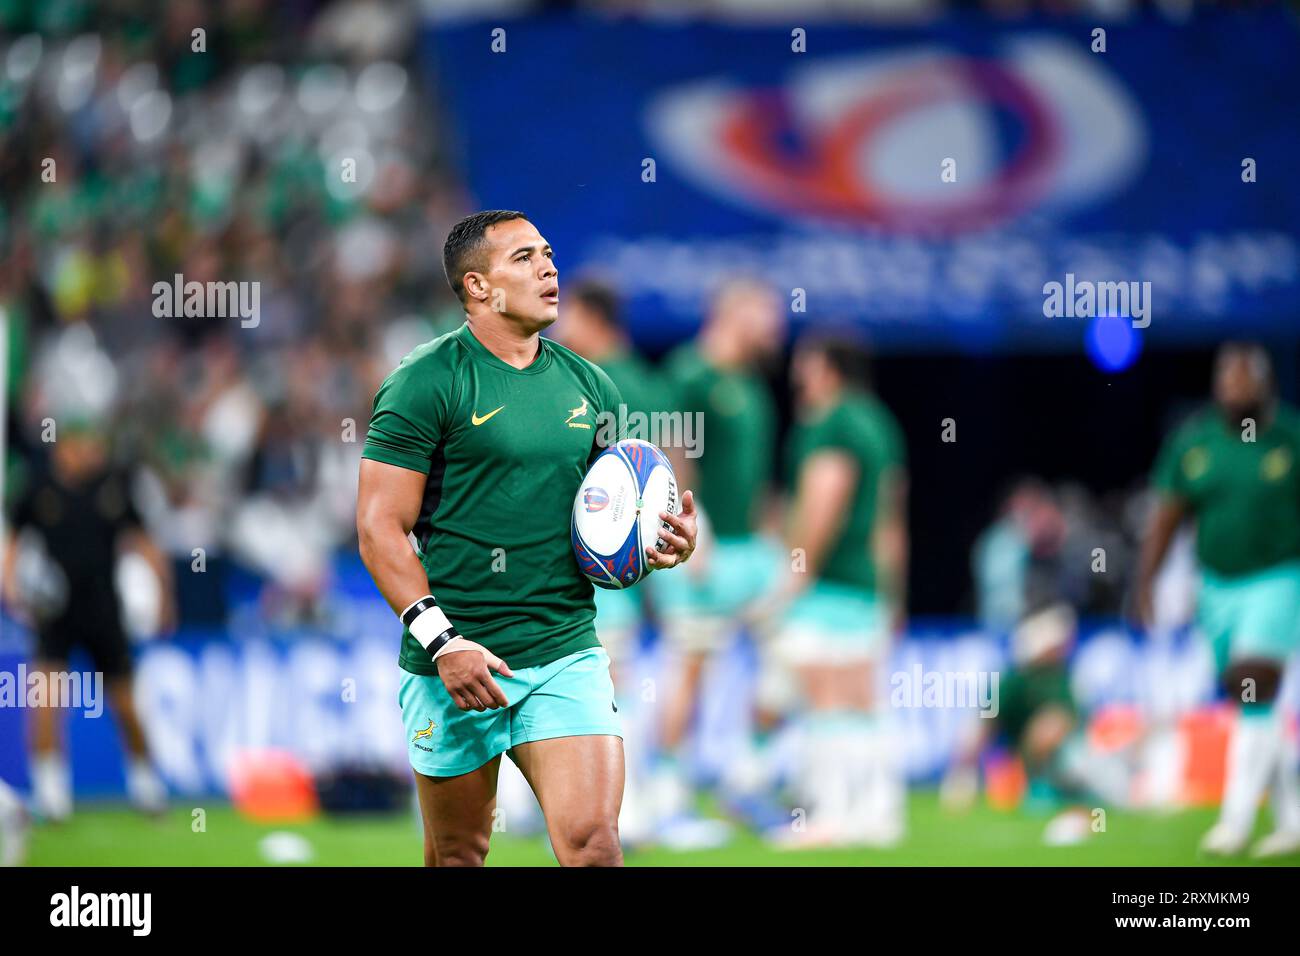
x=79, y=507
x=1235, y=469
x=477, y=444
x=717, y=379
x=844, y=593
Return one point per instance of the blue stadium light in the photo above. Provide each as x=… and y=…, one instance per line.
x=1112, y=343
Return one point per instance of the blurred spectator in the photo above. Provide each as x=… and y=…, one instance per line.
x=281, y=146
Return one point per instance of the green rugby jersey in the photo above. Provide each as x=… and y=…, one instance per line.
x=504, y=450
x=860, y=425
x=735, y=441
x=635, y=380
x=1245, y=495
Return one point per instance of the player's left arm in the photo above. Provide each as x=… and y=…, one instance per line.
x=890, y=544
x=825, y=489
x=134, y=536
x=139, y=540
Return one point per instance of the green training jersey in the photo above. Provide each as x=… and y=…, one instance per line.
x=1245, y=495
x=863, y=428
x=635, y=380
x=504, y=450
x=735, y=440
x=1027, y=691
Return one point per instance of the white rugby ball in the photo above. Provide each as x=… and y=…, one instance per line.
x=616, y=512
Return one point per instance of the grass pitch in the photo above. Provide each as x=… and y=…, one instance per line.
x=110, y=835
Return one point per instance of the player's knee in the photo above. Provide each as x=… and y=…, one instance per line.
x=1253, y=680
x=468, y=850
x=592, y=842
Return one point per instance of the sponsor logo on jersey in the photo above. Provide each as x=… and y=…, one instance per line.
x=595, y=499
x=1276, y=464
x=1196, y=462
x=478, y=419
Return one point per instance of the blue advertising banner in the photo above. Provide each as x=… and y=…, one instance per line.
x=330, y=702
x=928, y=182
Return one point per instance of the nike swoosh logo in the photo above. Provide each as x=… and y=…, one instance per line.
x=474, y=417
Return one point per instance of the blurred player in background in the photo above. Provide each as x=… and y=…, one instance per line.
x=716, y=380
x=590, y=324
x=845, y=593
x=1038, y=721
x=1235, y=469
x=80, y=516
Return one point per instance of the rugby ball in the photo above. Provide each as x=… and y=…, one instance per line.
x=616, y=512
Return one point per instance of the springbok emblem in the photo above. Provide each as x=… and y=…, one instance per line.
x=578, y=413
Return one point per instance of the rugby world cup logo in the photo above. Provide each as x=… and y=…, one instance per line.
x=594, y=499
x=1034, y=126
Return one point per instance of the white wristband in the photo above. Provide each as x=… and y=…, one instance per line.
x=431, y=623
x=428, y=624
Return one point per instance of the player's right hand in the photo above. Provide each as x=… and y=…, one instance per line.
x=468, y=676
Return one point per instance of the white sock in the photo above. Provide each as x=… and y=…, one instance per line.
x=143, y=784
x=670, y=794
x=52, y=785
x=825, y=778
x=1252, y=756
x=13, y=837
x=882, y=801
x=861, y=758
x=634, y=816
x=1286, y=790
x=9, y=801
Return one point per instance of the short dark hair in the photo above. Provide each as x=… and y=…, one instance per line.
x=600, y=299
x=845, y=352
x=463, y=250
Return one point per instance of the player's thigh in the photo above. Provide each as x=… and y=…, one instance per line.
x=457, y=814
x=854, y=685
x=579, y=784
x=566, y=737
x=817, y=684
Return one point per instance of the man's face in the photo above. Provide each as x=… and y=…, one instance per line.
x=811, y=375
x=753, y=314
x=520, y=280
x=1240, y=386
x=79, y=452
